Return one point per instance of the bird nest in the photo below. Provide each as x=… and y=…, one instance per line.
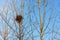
x=19, y=19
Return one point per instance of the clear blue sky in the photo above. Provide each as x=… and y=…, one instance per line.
x=54, y=4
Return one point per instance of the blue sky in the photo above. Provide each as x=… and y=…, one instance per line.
x=53, y=7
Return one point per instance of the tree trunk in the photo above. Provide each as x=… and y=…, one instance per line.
x=20, y=33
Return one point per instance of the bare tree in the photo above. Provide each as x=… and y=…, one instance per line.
x=33, y=24
x=4, y=33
